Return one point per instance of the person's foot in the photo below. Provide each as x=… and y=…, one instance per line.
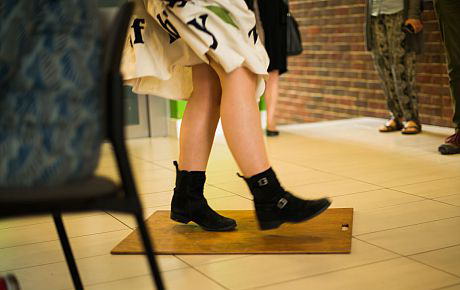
x=275, y=206
x=272, y=133
x=271, y=130
x=391, y=126
x=451, y=145
x=411, y=128
x=189, y=204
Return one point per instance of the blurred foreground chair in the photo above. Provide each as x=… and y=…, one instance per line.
x=95, y=193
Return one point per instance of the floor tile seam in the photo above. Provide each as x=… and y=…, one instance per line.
x=149, y=275
x=341, y=195
x=408, y=193
x=172, y=170
x=444, y=202
x=314, y=168
x=394, y=205
x=398, y=185
x=310, y=168
x=194, y=267
x=365, y=191
x=140, y=157
x=431, y=266
x=157, y=192
x=434, y=250
x=158, y=179
x=341, y=174
x=323, y=273
x=423, y=199
x=120, y=221
x=141, y=198
x=116, y=280
x=410, y=256
x=51, y=263
x=281, y=180
x=378, y=246
x=98, y=213
x=133, y=167
x=211, y=185
x=211, y=279
x=406, y=226
x=345, y=177
x=291, y=163
x=155, y=162
x=233, y=195
x=446, y=287
x=402, y=255
x=351, y=193
x=58, y=240
x=242, y=195
x=90, y=257
x=450, y=177
x=425, y=181
x=101, y=283
x=208, y=198
x=111, y=214
x=153, y=192
x=426, y=198
x=245, y=196
x=215, y=262
x=132, y=156
x=155, y=208
x=217, y=186
x=444, y=196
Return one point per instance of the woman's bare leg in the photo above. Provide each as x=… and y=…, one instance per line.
x=196, y=137
x=241, y=119
x=241, y=123
x=271, y=97
x=200, y=119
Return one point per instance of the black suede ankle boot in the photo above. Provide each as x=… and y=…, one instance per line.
x=189, y=204
x=275, y=206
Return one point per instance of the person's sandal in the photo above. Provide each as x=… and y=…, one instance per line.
x=412, y=129
x=391, y=126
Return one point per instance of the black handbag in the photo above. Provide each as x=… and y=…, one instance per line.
x=294, y=40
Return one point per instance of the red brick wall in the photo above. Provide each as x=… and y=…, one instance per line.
x=335, y=78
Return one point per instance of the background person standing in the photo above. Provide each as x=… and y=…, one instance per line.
x=448, y=13
x=273, y=17
x=393, y=35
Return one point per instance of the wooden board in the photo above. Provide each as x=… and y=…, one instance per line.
x=329, y=233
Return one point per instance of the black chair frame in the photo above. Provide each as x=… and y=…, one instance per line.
x=96, y=193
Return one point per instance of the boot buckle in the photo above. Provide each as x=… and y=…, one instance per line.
x=282, y=203
x=262, y=181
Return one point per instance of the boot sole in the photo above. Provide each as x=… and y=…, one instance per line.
x=276, y=224
x=185, y=220
x=448, y=150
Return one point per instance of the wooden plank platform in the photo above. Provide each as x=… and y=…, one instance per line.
x=329, y=233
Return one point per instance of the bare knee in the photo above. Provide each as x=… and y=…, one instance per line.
x=206, y=84
x=239, y=77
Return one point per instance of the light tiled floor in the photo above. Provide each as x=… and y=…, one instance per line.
x=406, y=225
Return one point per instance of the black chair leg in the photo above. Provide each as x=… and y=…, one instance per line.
x=148, y=248
x=67, y=251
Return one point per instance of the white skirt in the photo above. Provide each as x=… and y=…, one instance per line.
x=167, y=37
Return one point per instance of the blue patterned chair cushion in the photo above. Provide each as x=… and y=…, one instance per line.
x=50, y=77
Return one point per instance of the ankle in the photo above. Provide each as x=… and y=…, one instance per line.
x=189, y=169
x=264, y=185
x=271, y=127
